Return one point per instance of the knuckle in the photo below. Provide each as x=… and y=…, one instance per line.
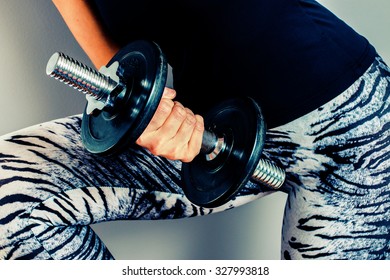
x=199, y=123
x=188, y=111
x=191, y=120
x=179, y=113
x=165, y=107
x=156, y=147
x=190, y=154
x=140, y=141
x=188, y=158
x=154, y=150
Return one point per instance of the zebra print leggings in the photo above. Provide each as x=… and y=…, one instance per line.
x=337, y=161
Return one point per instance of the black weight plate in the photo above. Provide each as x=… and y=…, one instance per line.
x=143, y=69
x=213, y=183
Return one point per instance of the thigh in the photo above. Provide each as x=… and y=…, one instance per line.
x=338, y=165
x=51, y=190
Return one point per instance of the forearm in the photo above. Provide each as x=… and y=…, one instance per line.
x=87, y=30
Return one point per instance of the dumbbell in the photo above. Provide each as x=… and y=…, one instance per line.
x=122, y=98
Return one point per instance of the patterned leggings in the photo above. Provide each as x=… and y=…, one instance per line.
x=337, y=161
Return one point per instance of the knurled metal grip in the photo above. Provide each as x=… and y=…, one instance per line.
x=122, y=98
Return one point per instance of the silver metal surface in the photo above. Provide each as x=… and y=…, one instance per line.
x=269, y=174
x=219, y=146
x=96, y=85
x=266, y=172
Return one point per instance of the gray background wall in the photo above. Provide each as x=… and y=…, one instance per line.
x=30, y=31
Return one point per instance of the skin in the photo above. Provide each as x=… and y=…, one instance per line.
x=174, y=132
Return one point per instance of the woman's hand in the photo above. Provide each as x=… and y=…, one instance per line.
x=174, y=132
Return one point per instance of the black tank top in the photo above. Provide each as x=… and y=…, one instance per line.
x=291, y=56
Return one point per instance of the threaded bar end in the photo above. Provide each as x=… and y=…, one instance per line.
x=269, y=174
x=79, y=76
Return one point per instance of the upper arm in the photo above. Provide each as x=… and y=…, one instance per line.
x=87, y=30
